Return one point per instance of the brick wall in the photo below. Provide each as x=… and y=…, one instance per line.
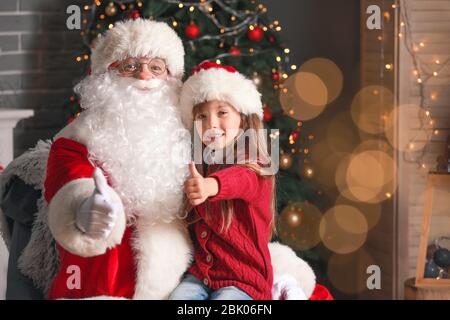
x=37, y=65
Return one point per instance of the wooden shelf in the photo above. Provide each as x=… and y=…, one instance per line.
x=414, y=292
x=435, y=179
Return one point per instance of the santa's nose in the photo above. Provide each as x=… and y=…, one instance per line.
x=144, y=73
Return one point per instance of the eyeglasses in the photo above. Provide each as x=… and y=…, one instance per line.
x=131, y=67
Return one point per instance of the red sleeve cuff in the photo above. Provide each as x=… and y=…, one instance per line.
x=224, y=186
x=235, y=183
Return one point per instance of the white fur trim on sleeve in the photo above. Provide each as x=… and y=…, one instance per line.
x=286, y=262
x=61, y=218
x=164, y=252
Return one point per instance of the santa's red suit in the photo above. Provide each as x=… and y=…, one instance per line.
x=111, y=273
x=114, y=266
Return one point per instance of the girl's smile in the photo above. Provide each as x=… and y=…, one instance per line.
x=217, y=123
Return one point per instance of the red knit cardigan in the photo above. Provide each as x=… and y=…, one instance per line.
x=239, y=256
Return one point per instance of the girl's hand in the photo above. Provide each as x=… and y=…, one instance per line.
x=197, y=188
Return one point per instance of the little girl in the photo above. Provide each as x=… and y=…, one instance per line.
x=234, y=204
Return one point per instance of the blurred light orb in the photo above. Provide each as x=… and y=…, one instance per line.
x=348, y=273
x=311, y=89
x=412, y=137
x=330, y=74
x=285, y=161
x=364, y=176
x=368, y=174
x=304, y=96
x=371, y=211
x=370, y=107
x=343, y=229
x=298, y=225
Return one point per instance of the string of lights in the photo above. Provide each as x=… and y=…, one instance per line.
x=423, y=74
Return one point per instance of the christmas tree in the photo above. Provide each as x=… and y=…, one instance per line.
x=237, y=33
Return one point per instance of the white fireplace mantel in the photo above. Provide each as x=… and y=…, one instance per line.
x=8, y=120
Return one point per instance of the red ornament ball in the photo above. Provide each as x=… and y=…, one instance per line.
x=256, y=34
x=134, y=15
x=192, y=31
x=234, y=51
x=275, y=76
x=267, y=114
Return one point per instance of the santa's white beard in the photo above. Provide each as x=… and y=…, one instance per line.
x=138, y=138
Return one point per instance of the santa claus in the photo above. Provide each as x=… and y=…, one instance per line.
x=114, y=180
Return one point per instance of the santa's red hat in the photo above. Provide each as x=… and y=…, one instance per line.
x=211, y=81
x=139, y=38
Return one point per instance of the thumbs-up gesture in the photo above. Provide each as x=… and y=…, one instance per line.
x=97, y=215
x=197, y=188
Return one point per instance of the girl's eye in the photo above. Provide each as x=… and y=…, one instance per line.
x=200, y=116
x=222, y=113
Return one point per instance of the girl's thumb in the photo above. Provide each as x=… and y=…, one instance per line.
x=193, y=170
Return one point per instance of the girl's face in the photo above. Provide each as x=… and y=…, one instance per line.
x=217, y=123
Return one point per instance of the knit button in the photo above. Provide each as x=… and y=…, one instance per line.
x=208, y=258
x=206, y=281
x=204, y=234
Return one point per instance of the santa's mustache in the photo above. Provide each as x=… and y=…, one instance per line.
x=144, y=85
x=114, y=92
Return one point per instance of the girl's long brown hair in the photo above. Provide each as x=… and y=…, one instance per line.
x=253, y=122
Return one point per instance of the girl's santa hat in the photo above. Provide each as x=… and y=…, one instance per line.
x=139, y=38
x=211, y=81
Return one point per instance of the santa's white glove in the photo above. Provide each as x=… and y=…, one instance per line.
x=97, y=214
x=286, y=288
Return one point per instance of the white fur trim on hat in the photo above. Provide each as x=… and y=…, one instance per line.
x=219, y=84
x=138, y=38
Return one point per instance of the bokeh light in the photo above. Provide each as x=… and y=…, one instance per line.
x=306, y=93
x=373, y=145
x=304, y=96
x=343, y=229
x=370, y=108
x=298, y=226
x=367, y=175
x=311, y=89
x=404, y=130
x=348, y=273
x=371, y=211
x=330, y=74
x=364, y=176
